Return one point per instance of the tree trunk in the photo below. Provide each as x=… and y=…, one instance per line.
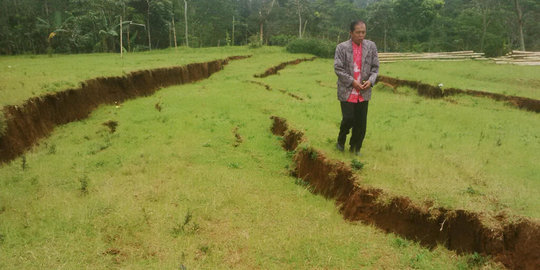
x=520, y=25
x=121, y=43
x=232, y=40
x=305, y=25
x=148, y=25
x=385, y=30
x=484, y=29
x=47, y=9
x=261, y=23
x=185, y=21
x=174, y=33
x=128, y=41
x=299, y=19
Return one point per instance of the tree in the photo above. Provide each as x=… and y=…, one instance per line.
x=519, y=14
x=265, y=8
x=185, y=20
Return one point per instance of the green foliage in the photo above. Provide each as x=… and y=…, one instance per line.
x=254, y=42
x=83, y=181
x=318, y=47
x=24, y=164
x=281, y=40
x=490, y=26
x=356, y=164
x=400, y=242
x=472, y=261
x=186, y=226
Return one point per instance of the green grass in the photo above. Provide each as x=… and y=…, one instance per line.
x=25, y=76
x=477, y=75
x=459, y=152
x=170, y=189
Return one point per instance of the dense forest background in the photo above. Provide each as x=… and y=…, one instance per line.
x=81, y=26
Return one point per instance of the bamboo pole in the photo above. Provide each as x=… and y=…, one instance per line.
x=174, y=34
x=121, y=37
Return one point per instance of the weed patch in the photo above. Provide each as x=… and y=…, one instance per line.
x=111, y=125
x=186, y=226
x=84, y=181
x=356, y=164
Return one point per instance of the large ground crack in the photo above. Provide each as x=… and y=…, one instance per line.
x=38, y=116
x=274, y=70
x=514, y=243
x=431, y=91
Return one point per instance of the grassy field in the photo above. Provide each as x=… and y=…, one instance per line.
x=460, y=152
x=486, y=76
x=170, y=189
x=25, y=76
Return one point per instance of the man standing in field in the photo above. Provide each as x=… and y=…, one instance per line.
x=356, y=64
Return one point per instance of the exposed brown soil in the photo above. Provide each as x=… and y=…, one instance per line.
x=38, y=116
x=436, y=92
x=274, y=70
x=279, y=125
x=515, y=244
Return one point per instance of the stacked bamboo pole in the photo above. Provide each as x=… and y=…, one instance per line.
x=444, y=56
x=520, y=58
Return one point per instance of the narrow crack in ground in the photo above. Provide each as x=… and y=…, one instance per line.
x=269, y=88
x=431, y=91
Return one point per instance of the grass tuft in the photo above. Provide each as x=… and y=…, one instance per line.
x=83, y=181
x=356, y=164
x=186, y=226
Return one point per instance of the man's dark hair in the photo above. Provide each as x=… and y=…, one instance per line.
x=355, y=23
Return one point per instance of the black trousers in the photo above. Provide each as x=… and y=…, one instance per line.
x=354, y=115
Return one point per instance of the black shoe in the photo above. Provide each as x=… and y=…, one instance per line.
x=340, y=147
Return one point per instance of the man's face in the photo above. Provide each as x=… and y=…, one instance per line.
x=359, y=33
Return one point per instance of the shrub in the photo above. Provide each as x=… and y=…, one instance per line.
x=494, y=46
x=281, y=40
x=254, y=41
x=318, y=47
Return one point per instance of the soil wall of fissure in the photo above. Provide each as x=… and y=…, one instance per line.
x=274, y=70
x=515, y=244
x=436, y=92
x=38, y=116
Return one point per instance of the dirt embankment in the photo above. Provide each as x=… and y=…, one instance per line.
x=274, y=70
x=436, y=92
x=515, y=244
x=38, y=116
